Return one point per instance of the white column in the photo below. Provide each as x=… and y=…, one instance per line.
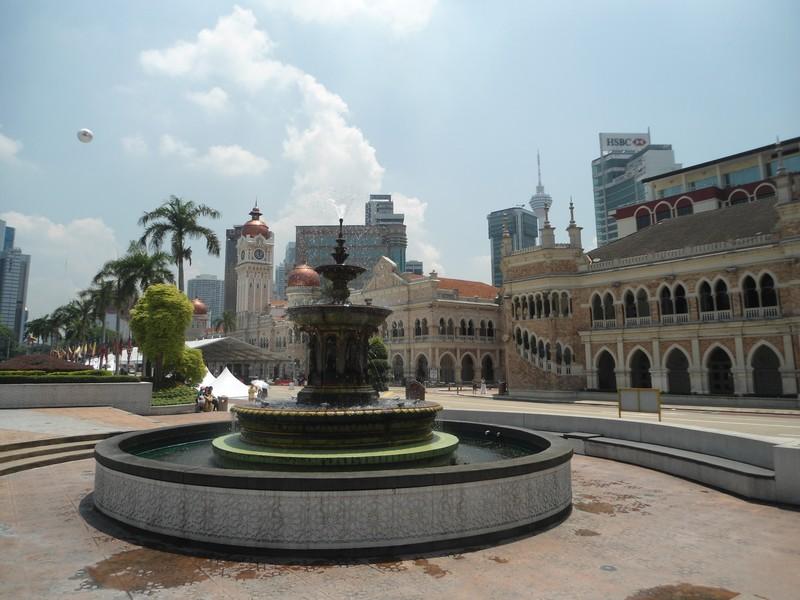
x=622, y=373
x=591, y=372
x=788, y=373
x=657, y=375
x=697, y=378
x=741, y=378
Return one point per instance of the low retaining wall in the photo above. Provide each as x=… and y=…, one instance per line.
x=373, y=512
x=764, y=452
x=132, y=397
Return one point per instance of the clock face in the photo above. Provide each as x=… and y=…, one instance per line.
x=259, y=254
x=242, y=255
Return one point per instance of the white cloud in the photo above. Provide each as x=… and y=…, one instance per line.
x=403, y=16
x=332, y=158
x=419, y=244
x=231, y=161
x=9, y=149
x=64, y=256
x=214, y=100
x=134, y=145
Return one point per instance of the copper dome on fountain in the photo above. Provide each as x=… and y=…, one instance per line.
x=338, y=417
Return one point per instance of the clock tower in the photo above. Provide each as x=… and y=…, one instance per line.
x=254, y=264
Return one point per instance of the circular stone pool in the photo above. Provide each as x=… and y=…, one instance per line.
x=168, y=481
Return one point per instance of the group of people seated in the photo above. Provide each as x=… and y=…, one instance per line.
x=206, y=401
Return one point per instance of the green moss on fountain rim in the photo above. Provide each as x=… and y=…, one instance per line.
x=233, y=447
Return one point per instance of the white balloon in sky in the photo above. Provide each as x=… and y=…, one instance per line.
x=85, y=135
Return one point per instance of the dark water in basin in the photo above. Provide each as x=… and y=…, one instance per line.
x=471, y=450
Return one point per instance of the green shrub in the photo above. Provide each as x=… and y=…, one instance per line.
x=180, y=394
x=83, y=373
x=59, y=378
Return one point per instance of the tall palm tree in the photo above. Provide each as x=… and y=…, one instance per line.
x=101, y=295
x=227, y=322
x=179, y=219
x=39, y=329
x=128, y=276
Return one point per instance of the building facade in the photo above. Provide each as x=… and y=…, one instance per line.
x=366, y=244
x=379, y=210
x=618, y=180
x=211, y=291
x=14, y=272
x=522, y=227
x=414, y=266
x=705, y=304
x=441, y=329
x=232, y=236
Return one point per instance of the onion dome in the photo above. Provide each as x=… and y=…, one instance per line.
x=303, y=276
x=255, y=226
x=199, y=307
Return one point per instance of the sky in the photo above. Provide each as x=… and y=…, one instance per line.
x=294, y=103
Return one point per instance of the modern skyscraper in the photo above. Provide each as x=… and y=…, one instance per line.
x=541, y=200
x=365, y=244
x=14, y=270
x=379, y=210
x=282, y=271
x=625, y=160
x=211, y=291
x=414, y=266
x=231, y=239
x=522, y=226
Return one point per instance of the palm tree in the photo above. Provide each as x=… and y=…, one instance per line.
x=101, y=297
x=179, y=219
x=130, y=275
x=39, y=328
x=227, y=322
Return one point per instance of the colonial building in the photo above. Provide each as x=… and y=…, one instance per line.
x=707, y=303
x=440, y=329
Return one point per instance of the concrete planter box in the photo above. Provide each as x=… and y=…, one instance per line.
x=132, y=397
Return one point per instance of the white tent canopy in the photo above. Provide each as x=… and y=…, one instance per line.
x=208, y=379
x=227, y=385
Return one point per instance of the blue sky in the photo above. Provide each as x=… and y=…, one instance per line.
x=442, y=104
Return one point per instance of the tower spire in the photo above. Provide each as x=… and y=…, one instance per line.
x=539, y=187
x=571, y=212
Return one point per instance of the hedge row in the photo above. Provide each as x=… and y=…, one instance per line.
x=177, y=395
x=5, y=379
x=83, y=373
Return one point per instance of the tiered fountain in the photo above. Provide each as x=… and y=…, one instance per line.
x=339, y=470
x=338, y=418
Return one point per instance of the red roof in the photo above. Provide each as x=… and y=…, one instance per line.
x=469, y=289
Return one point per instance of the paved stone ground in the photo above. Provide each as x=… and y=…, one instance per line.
x=634, y=534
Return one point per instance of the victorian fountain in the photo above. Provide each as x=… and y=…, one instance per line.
x=338, y=469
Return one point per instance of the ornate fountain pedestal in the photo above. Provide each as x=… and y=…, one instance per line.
x=338, y=417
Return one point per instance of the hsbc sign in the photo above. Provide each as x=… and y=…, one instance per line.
x=624, y=142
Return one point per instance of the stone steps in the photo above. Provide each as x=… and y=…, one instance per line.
x=30, y=454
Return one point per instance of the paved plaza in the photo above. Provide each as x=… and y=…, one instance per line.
x=634, y=534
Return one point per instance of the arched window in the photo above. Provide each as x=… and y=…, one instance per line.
x=597, y=308
x=467, y=368
x=768, y=295
x=630, y=305
x=490, y=329
x=417, y=328
x=663, y=212
x=738, y=197
x=470, y=328
x=421, y=372
x=447, y=369
x=750, y=293
x=540, y=349
x=539, y=307
x=640, y=370
x=525, y=307
x=546, y=306
x=450, y=327
x=665, y=299
x=554, y=304
x=608, y=307
x=487, y=369
x=559, y=354
x=606, y=377
x=681, y=305
x=683, y=207
x=765, y=191
x=547, y=351
x=442, y=327
x=565, y=305
x=642, y=304
x=401, y=331
x=706, y=299
x=766, y=372
x=720, y=378
x=424, y=326
x=518, y=336
x=397, y=368
x=678, y=381
x=567, y=356
x=482, y=330
x=526, y=341
x=642, y=218
x=721, y=300
x=516, y=310
x=394, y=329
